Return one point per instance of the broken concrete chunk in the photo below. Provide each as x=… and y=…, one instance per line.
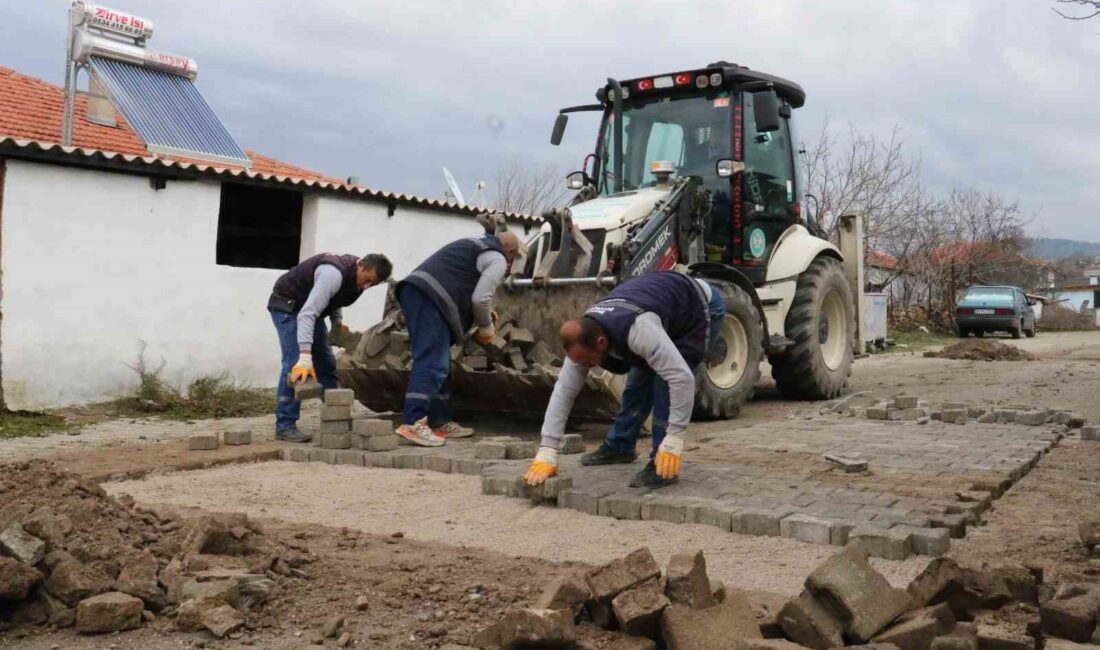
x=766, y=644
x=715, y=628
x=109, y=612
x=939, y=578
x=609, y=580
x=850, y=465
x=536, y=627
x=996, y=631
x=1090, y=533
x=638, y=609
x=687, y=581
x=864, y=598
x=1071, y=618
x=222, y=620
x=71, y=581
x=807, y=621
x=17, y=579
x=568, y=592
x=21, y=545
x=916, y=630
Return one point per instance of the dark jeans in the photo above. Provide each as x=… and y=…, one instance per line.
x=287, y=409
x=646, y=392
x=429, y=391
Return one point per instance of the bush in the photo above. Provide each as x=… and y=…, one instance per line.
x=1060, y=319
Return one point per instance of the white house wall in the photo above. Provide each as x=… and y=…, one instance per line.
x=95, y=262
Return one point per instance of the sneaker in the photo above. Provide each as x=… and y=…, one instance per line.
x=453, y=430
x=648, y=478
x=293, y=434
x=604, y=455
x=419, y=434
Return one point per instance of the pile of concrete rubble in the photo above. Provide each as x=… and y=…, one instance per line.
x=846, y=602
x=913, y=408
x=71, y=556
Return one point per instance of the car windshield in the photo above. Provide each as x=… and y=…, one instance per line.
x=692, y=132
x=988, y=293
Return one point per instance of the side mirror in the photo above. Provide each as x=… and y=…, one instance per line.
x=765, y=110
x=559, y=128
x=576, y=180
x=726, y=167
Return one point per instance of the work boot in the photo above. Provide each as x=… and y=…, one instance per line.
x=453, y=430
x=420, y=433
x=605, y=455
x=648, y=478
x=293, y=434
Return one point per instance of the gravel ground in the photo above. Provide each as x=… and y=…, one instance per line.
x=450, y=509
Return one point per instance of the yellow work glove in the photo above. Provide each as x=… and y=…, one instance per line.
x=485, y=334
x=303, y=370
x=668, y=456
x=543, y=467
x=495, y=317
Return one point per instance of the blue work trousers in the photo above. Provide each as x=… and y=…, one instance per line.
x=288, y=409
x=429, y=391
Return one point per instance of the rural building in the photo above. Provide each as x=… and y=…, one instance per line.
x=105, y=246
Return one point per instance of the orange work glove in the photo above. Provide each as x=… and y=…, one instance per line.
x=543, y=467
x=668, y=456
x=303, y=370
x=485, y=334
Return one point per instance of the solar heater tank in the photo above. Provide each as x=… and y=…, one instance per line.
x=112, y=20
x=87, y=45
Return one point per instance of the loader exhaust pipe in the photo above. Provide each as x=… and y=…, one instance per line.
x=617, y=102
x=517, y=283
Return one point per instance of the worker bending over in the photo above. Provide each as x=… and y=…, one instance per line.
x=441, y=299
x=319, y=287
x=656, y=328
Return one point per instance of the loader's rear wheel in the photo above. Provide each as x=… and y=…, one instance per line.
x=822, y=324
x=727, y=380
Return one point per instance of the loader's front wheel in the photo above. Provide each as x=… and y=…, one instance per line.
x=822, y=324
x=728, y=378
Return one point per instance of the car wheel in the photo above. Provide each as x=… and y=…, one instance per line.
x=1030, y=333
x=1016, y=331
x=963, y=332
x=979, y=333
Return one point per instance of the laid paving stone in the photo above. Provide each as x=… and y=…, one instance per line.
x=670, y=509
x=203, y=442
x=759, y=521
x=932, y=542
x=710, y=514
x=467, y=466
x=807, y=529
x=955, y=416
x=865, y=599
x=296, y=454
x=520, y=450
x=408, y=461
x=621, y=506
x=906, y=402
x=380, y=460
x=339, y=397
x=491, y=450
x=349, y=457
x=322, y=456
x=886, y=543
x=441, y=464
x=237, y=438
x=1031, y=418
x=380, y=443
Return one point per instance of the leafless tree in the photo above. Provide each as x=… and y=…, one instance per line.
x=1091, y=7
x=525, y=189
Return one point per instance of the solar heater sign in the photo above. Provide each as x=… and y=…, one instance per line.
x=119, y=22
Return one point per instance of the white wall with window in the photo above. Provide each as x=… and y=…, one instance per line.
x=93, y=263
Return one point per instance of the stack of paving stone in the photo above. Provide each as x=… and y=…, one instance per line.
x=912, y=408
x=845, y=603
x=336, y=419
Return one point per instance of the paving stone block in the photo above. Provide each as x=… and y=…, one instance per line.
x=502, y=485
x=537, y=628
x=349, y=457
x=670, y=509
x=476, y=362
x=1031, y=418
x=308, y=390
x=322, y=456
x=579, y=500
x=329, y=413
x=297, y=455
x=1005, y=416
x=234, y=438
x=621, y=506
x=572, y=443
x=686, y=580
x=335, y=426
x=548, y=491
x=976, y=411
x=998, y=633
x=912, y=414
x=467, y=466
x=568, y=592
x=520, y=450
x=21, y=545
x=864, y=598
x=840, y=532
x=886, y=543
x=638, y=609
x=336, y=441
x=849, y=465
x=1090, y=432
x=379, y=460
x=941, y=577
x=963, y=637
x=491, y=450
x=905, y=402
x=1071, y=618
x=203, y=442
x=716, y=628
x=760, y=521
x=441, y=464
x=955, y=416
x=878, y=413
x=989, y=417
x=915, y=630
x=408, y=461
x=711, y=514
x=932, y=542
x=368, y=427
x=339, y=397
x=381, y=443
x=807, y=621
x=618, y=575
x=806, y=528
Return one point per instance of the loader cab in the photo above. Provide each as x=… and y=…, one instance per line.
x=706, y=123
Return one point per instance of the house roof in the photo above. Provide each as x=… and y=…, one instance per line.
x=30, y=127
x=880, y=260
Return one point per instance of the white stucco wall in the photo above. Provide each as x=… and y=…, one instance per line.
x=95, y=262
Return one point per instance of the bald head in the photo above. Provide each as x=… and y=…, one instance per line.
x=512, y=245
x=584, y=341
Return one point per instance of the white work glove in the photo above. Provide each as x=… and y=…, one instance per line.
x=668, y=456
x=303, y=370
x=543, y=467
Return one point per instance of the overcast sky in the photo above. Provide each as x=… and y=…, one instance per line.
x=998, y=95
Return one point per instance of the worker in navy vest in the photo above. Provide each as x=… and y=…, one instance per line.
x=656, y=329
x=443, y=298
x=317, y=288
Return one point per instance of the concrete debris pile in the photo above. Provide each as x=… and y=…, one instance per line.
x=913, y=409
x=70, y=556
x=846, y=602
x=982, y=350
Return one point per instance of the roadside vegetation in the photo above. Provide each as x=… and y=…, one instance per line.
x=16, y=424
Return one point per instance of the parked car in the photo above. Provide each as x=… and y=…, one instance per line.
x=994, y=309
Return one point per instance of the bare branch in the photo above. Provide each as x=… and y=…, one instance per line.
x=1093, y=5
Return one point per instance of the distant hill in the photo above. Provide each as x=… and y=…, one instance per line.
x=1053, y=249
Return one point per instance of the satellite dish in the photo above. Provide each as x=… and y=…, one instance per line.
x=453, y=192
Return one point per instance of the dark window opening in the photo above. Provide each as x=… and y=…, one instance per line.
x=259, y=227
